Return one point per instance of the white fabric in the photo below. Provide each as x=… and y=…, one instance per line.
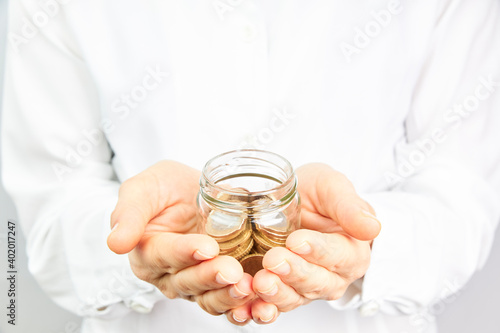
x=407, y=109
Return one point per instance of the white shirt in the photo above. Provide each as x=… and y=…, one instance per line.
x=402, y=98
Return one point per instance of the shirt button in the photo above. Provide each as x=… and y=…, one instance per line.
x=248, y=33
x=137, y=307
x=369, y=309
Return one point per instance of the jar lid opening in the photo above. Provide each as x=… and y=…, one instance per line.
x=248, y=175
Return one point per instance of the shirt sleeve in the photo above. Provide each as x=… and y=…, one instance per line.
x=57, y=168
x=441, y=208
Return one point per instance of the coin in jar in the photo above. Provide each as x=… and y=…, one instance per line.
x=266, y=242
x=234, y=194
x=275, y=226
x=232, y=244
x=252, y=263
x=222, y=227
x=243, y=250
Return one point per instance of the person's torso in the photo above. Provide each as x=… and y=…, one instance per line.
x=316, y=81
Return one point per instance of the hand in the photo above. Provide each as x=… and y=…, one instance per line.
x=323, y=259
x=155, y=220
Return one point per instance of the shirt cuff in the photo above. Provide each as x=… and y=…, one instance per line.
x=391, y=284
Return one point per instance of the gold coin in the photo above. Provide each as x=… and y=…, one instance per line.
x=244, y=250
x=273, y=235
x=262, y=243
x=237, y=249
x=276, y=226
x=267, y=242
x=259, y=249
x=242, y=195
x=240, y=250
x=232, y=244
x=221, y=226
x=252, y=263
x=249, y=235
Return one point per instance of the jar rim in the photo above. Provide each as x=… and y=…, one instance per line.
x=290, y=173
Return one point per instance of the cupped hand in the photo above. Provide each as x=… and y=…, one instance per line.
x=155, y=221
x=321, y=260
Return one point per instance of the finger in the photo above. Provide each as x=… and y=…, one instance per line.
x=333, y=196
x=240, y=315
x=336, y=252
x=131, y=215
x=313, y=221
x=208, y=275
x=271, y=289
x=263, y=312
x=144, y=196
x=219, y=301
x=309, y=280
x=168, y=252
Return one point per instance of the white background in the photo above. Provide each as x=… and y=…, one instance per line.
x=474, y=310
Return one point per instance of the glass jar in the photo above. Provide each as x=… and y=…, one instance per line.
x=249, y=203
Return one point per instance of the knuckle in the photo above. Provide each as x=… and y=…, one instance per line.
x=357, y=273
x=157, y=260
x=141, y=273
x=170, y=293
x=188, y=290
x=317, y=292
x=207, y=306
x=291, y=305
x=312, y=294
x=165, y=286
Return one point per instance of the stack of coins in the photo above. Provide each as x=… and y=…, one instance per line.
x=270, y=232
x=249, y=236
x=233, y=233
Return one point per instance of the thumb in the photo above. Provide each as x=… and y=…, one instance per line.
x=333, y=196
x=356, y=217
x=132, y=213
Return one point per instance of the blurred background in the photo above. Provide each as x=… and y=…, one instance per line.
x=475, y=309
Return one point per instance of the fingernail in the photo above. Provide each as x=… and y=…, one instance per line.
x=239, y=320
x=271, y=291
x=370, y=215
x=222, y=280
x=235, y=292
x=303, y=248
x=198, y=255
x=282, y=269
x=114, y=228
x=266, y=320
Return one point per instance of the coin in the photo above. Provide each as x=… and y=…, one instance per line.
x=247, y=237
x=266, y=242
x=243, y=250
x=236, y=194
x=234, y=243
x=259, y=249
x=221, y=226
x=275, y=226
x=252, y=263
